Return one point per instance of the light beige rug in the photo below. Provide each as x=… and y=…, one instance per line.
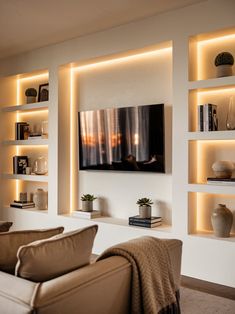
x=196, y=302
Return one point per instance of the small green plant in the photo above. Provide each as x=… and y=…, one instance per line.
x=88, y=197
x=224, y=58
x=144, y=202
x=31, y=92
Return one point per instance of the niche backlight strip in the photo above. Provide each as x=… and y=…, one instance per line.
x=201, y=44
x=114, y=61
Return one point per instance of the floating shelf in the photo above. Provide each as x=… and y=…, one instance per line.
x=26, y=142
x=33, y=210
x=212, y=83
x=27, y=107
x=212, y=135
x=211, y=188
x=123, y=222
x=24, y=177
x=210, y=235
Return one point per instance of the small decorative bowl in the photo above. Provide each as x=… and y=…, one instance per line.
x=223, y=169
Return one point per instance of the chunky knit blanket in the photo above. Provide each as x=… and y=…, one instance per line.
x=153, y=289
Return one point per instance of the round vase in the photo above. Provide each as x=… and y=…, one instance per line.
x=223, y=169
x=222, y=220
x=145, y=211
x=40, y=166
x=87, y=206
x=40, y=199
x=224, y=70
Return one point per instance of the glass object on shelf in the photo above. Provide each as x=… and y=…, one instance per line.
x=44, y=129
x=230, y=121
x=40, y=166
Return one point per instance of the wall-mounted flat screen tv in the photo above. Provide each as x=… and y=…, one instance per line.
x=122, y=139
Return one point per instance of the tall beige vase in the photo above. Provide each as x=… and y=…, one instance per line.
x=222, y=220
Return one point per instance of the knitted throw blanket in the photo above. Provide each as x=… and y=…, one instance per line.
x=153, y=289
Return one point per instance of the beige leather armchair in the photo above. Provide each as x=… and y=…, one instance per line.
x=100, y=288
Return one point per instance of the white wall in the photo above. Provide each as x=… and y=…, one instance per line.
x=206, y=259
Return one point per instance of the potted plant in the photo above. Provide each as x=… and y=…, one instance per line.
x=31, y=94
x=144, y=207
x=87, y=202
x=224, y=62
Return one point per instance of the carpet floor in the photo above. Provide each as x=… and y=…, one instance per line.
x=196, y=302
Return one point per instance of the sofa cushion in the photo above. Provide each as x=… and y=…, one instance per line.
x=50, y=258
x=11, y=241
x=5, y=226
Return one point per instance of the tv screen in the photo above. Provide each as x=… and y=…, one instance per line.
x=122, y=139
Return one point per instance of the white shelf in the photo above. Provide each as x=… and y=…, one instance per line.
x=24, y=177
x=26, y=142
x=33, y=210
x=213, y=135
x=123, y=222
x=27, y=107
x=221, y=82
x=211, y=236
x=212, y=188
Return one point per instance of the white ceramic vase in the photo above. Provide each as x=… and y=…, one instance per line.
x=40, y=198
x=222, y=220
x=40, y=166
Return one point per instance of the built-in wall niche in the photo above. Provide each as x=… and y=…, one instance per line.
x=201, y=206
x=36, y=80
x=203, y=153
x=219, y=96
x=203, y=50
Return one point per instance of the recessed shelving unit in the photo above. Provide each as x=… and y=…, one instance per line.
x=14, y=108
x=204, y=148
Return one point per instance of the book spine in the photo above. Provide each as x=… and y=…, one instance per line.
x=214, y=118
x=200, y=118
x=205, y=117
x=138, y=224
x=142, y=220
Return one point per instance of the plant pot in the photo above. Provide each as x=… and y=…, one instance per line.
x=31, y=99
x=224, y=70
x=223, y=169
x=87, y=206
x=40, y=199
x=222, y=220
x=145, y=211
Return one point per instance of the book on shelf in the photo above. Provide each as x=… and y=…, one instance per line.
x=86, y=215
x=152, y=219
x=144, y=224
x=34, y=137
x=18, y=204
x=230, y=181
x=20, y=163
x=207, y=117
x=21, y=130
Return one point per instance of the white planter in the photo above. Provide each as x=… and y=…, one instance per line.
x=31, y=99
x=40, y=199
x=224, y=70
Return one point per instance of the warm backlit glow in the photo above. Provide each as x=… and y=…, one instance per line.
x=123, y=59
x=17, y=120
x=136, y=139
x=216, y=39
x=72, y=144
x=34, y=112
x=213, y=91
x=35, y=77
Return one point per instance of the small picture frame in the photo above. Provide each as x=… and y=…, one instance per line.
x=43, y=92
x=20, y=163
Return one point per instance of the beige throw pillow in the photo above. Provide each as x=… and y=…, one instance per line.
x=5, y=226
x=50, y=258
x=11, y=241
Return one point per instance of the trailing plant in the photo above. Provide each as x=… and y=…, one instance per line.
x=88, y=197
x=144, y=202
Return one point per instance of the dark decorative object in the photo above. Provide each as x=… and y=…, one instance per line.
x=43, y=94
x=224, y=62
x=20, y=163
x=5, y=226
x=31, y=95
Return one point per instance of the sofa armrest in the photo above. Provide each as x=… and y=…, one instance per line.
x=102, y=287
x=16, y=294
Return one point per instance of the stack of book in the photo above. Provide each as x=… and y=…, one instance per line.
x=86, y=215
x=145, y=222
x=20, y=130
x=230, y=181
x=20, y=204
x=207, y=118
